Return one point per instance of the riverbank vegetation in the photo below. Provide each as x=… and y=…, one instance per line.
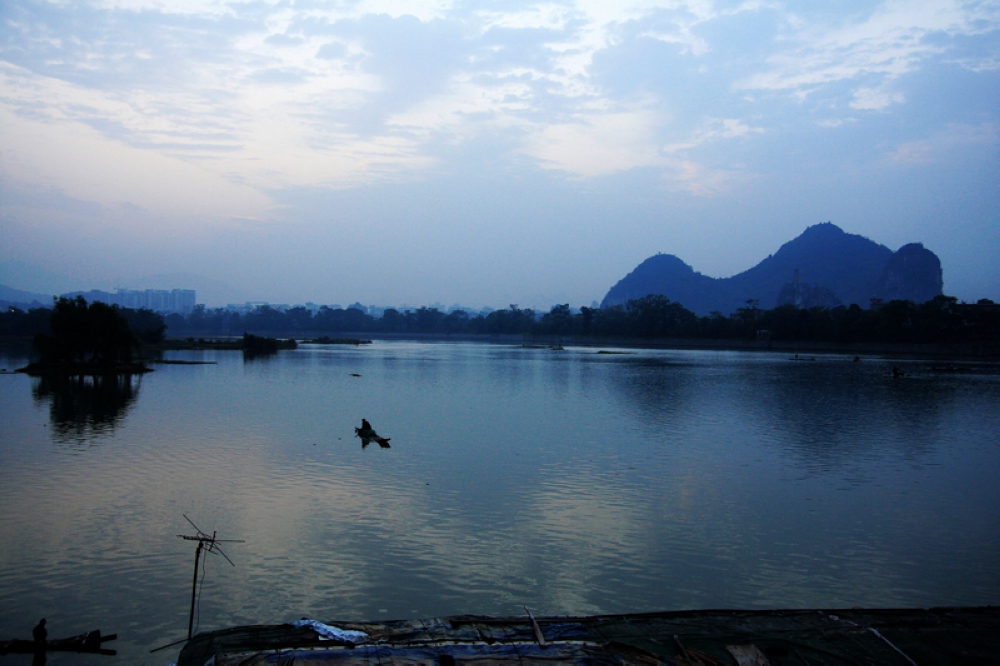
x=940, y=320
x=85, y=339
x=74, y=338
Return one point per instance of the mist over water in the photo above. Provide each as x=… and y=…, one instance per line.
x=568, y=481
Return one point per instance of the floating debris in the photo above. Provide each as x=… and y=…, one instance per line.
x=330, y=632
x=178, y=362
x=327, y=340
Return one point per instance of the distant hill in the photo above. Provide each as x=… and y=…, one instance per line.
x=23, y=299
x=823, y=266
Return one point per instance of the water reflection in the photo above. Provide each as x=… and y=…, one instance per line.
x=657, y=393
x=258, y=355
x=827, y=416
x=569, y=482
x=835, y=414
x=83, y=407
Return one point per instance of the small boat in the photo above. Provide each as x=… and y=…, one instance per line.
x=368, y=435
x=89, y=642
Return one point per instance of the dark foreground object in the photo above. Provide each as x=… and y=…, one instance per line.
x=89, y=643
x=801, y=637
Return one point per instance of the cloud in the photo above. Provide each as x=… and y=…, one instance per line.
x=713, y=129
x=278, y=39
x=870, y=99
x=832, y=122
x=700, y=180
x=338, y=96
x=142, y=119
x=597, y=144
x=331, y=51
x=894, y=39
x=277, y=77
x=84, y=165
x=272, y=96
x=946, y=142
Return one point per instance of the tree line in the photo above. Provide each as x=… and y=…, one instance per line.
x=941, y=320
x=72, y=328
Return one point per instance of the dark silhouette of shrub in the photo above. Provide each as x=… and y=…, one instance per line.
x=97, y=334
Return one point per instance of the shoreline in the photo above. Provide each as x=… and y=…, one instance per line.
x=968, y=351
x=67, y=369
x=980, y=351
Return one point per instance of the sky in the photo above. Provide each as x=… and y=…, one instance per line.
x=483, y=153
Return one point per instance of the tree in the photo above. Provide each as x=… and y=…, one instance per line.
x=558, y=320
x=430, y=320
x=299, y=319
x=746, y=318
x=147, y=325
x=655, y=316
x=391, y=321
x=456, y=321
x=97, y=334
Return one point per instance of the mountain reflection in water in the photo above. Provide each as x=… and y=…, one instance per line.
x=84, y=407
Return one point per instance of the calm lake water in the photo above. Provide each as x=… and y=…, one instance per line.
x=569, y=481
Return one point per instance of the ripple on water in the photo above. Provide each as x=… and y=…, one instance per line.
x=571, y=483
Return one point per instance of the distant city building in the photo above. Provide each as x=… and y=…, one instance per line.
x=157, y=300
x=248, y=306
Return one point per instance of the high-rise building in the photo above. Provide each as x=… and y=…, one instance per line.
x=157, y=300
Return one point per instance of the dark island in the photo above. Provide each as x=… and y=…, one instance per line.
x=93, y=339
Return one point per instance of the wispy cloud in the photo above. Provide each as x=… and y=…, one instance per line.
x=713, y=129
x=944, y=142
x=597, y=144
x=875, y=100
x=270, y=95
x=700, y=180
x=80, y=162
x=891, y=40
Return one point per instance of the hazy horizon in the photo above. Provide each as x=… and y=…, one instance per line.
x=441, y=152
x=19, y=272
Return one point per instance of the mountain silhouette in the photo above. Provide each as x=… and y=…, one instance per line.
x=23, y=299
x=823, y=266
